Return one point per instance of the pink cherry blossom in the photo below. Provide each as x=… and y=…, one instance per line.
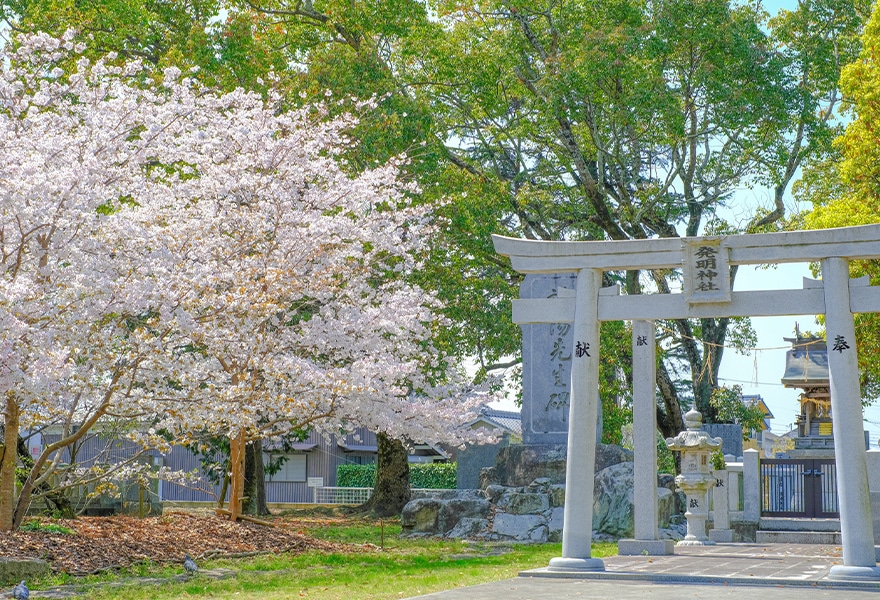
x=195, y=261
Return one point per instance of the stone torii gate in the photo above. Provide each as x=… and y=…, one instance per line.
x=705, y=262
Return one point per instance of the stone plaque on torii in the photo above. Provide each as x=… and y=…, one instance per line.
x=707, y=293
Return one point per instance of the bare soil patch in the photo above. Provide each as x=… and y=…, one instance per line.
x=100, y=543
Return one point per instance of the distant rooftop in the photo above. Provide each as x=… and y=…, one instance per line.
x=757, y=400
x=505, y=419
x=806, y=364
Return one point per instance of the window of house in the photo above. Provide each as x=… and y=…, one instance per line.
x=293, y=469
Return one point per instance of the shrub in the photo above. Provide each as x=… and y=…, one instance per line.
x=437, y=476
x=434, y=476
x=46, y=527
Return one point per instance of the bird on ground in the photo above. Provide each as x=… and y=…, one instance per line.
x=190, y=565
x=21, y=591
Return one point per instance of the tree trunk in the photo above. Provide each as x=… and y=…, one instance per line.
x=391, y=492
x=58, y=498
x=221, y=499
x=255, y=480
x=11, y=421
x=670, y=420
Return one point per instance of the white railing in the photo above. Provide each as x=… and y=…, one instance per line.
x=349, y=495
x=341, y=495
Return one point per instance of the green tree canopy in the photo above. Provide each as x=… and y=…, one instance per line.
x=548, y=119
x=845, y=188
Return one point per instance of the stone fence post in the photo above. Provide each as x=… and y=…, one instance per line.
x=751, y=486
x=721, y=531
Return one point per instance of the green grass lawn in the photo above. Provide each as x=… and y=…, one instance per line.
x=395, y=568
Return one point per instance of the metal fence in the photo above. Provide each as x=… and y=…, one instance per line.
x=805, y=488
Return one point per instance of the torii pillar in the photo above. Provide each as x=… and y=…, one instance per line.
x=846, y=414
x=580, y=464
x=645, y=521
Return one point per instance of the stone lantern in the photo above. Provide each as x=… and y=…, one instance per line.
x=696, y=479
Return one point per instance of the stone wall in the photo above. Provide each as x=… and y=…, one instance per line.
x=730, y=434
x=534, y=512
x=472, y=460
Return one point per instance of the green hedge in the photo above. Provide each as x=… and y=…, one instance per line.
x=436, y=476
x=356, y=475
x=432, y=476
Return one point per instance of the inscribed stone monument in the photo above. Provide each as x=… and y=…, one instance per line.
x=547, y=352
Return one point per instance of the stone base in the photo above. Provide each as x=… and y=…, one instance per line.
x=695, y=542
x=828, y=538
x=567, y=565
x=722, y=536
x=645, y=547
x=744, y=531
x=846, y=573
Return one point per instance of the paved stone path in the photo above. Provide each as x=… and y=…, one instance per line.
x=533, y=588
x=768, y=563
x=784, y=571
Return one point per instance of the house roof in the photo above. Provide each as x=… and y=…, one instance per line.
x=506, y=420
x=358, y=447
x=757, y=400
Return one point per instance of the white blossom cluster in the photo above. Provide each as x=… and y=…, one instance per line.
x=203, y=261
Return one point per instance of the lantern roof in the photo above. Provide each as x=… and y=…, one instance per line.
x=693, y=438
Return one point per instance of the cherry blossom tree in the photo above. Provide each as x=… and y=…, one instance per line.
x=201, y=262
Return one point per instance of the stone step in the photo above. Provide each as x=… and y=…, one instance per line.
x=797, y=537
x=791, y=524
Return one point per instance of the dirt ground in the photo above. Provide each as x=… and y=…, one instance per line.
x=99, y=543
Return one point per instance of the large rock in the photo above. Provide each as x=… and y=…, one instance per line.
x=469, y=528
x=666, y=480
x=557, y=495
x=457, y=509
x=666, y=507
x=519, y=465
x=522, y=499
x=436, y=516
x=447, y=494
x=608, y=455
x=531, y=528
x=519, y=503
x=13, y=570
x=554, y=524
x=421, y=515
x=613, y=501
